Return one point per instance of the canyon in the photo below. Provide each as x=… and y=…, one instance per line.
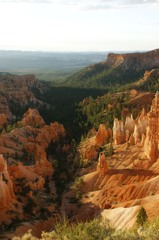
x=111, y=172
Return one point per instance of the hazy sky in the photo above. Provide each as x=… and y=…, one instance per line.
x=79, y=25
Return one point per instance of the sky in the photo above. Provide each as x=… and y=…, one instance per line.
x=79, y=25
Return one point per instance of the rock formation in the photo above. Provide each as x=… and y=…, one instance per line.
x=3, y=119
x=144, y=130
x=119, y=132
x=102, y=165
x=40, y=137
x=34, y=180
x=152, y=137
x=4, y=107
x=32, y=118
x=137, y=134
x=137, y=61
x=132, y=130
x=103, y=135
x=17, y=92
x=89, y=148
x=149, y=75
x=6, y=187
x=130, y=124
x=27, y=171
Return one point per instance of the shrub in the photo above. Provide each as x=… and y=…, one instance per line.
x=26, y=236
x=92, y=230
x=29, y=206
x=95, y=230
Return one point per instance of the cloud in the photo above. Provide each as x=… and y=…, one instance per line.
x=137, y=2
x=91, y=4
x=95, y=7
x=69, y=2
x=116, y=4
x=26, y=1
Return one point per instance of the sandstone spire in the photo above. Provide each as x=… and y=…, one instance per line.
x=130, y=124
x=119, y=133
x=103, y=135
x=102, y=165
x=152, y=132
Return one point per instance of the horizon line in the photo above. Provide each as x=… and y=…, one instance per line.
x=73, y=51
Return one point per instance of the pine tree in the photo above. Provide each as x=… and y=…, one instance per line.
x=141, y=216
x=110, y=149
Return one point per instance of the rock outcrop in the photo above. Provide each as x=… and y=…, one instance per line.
x=32, y=118
x=137, y=61
x=17, y=92
x=38, y=144
x=28, y=149
x=119, y=132
x=130, y=124
x=27, y=170
x=3, y=120
x=33, y=179
x=102, y=165
x=144, y=130
x=152, y=138
x=6, y=186
x=103, y=135
x=89, y=148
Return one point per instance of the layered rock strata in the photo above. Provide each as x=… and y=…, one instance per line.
x=18, y=91
x=144, y=130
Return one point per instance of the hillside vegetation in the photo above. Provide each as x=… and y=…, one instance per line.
x=118, y=72
x=94, y=230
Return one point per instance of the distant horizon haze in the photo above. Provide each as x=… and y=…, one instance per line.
x=48, y=66
x=72, y=52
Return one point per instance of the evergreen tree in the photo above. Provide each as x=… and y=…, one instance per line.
x=141, y=216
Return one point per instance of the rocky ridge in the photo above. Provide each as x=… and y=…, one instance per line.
x=137, y=61
x=118, y=70
x=17, y=91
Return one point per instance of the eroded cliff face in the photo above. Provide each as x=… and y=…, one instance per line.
x=26, y=184
x=117, y=185
x=17, y=91
x=137, y=61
